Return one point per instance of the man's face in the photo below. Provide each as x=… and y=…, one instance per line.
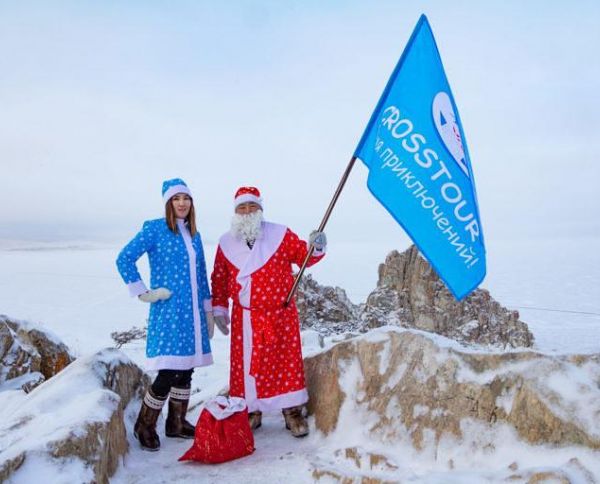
x=247, y=208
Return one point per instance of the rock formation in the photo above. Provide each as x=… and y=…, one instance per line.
x=325, y=309
x=410, y=294
x=76, y=418
x=28, y=354
x=404, y=385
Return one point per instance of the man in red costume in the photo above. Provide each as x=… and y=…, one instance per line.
x=253, y=267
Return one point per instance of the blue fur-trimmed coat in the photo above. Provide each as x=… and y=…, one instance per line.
x=177, y=328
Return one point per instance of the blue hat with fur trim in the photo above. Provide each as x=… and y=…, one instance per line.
x=173, y=187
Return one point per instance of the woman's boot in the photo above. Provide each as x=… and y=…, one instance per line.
x=177, y=425
x=145, y=426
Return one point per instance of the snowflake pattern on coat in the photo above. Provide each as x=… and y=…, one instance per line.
x=276, y=351
x=172, y=324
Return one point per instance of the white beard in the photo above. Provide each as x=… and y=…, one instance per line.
x=247, y=227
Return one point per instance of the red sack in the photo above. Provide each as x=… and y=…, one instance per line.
x=222, y=432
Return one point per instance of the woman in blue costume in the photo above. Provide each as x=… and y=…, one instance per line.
x=181, y=321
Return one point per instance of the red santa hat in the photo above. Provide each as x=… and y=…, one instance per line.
x=247, y=194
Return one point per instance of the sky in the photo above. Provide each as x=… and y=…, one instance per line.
x=102, y=101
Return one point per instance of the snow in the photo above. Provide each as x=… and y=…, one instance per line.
x=312, y=342
x=41, y=468
x=395, y=377
x=279, y=456
x=52, y=413
x=73, y=290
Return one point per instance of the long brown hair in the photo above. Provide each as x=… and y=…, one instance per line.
x=172, y=219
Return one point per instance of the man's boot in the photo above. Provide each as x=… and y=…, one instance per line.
x=255, y=419
x=177, y=425
x=295, y=421
x=145, y=425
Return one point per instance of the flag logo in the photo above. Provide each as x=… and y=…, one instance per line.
x=447, y=128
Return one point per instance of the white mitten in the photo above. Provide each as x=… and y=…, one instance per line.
x=318, y=240
x=162, y=293
x=223, y=322
x=210, y=323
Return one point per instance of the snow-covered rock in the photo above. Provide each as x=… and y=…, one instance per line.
x=325, y=309
x=29, y=354
x=410, y=294
x=73, y=421
x=312, y=341
x=400, y=387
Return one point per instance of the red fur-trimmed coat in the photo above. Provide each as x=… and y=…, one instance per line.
x=266, y=354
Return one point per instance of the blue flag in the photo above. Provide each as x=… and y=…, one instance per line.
x=419, y=167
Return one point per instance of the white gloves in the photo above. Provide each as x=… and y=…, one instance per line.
x=162, y=293
x=318, y=240
x=223, y=322
x=210, y=323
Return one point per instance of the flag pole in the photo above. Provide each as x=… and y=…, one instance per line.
x=321, y=228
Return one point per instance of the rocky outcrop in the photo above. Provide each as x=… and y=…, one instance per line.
x=409, y=384
x=76, y=417
x=29, y=354
x=410, y=294
x=325, y=309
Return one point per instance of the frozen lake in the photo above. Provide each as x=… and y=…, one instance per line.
x=74, y=288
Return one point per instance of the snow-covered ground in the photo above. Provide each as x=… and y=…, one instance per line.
x=74, y=290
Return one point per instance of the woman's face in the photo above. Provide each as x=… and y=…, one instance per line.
x=182, y=204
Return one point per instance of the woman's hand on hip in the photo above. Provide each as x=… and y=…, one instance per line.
x=160, y=294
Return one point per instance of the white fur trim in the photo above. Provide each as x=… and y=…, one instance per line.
x=170, y=362
x=220, y=311
x=279, y=402
x=174, y=190
x=316, y=252
x=249, y=380
x=223, y=407
x=248, y=261
x=246, y=198
x=137, y=288
x=187, y=239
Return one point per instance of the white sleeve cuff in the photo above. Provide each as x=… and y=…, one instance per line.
x=208, y=305
x=137, y=288
x=220, y=311
x=317, y=252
